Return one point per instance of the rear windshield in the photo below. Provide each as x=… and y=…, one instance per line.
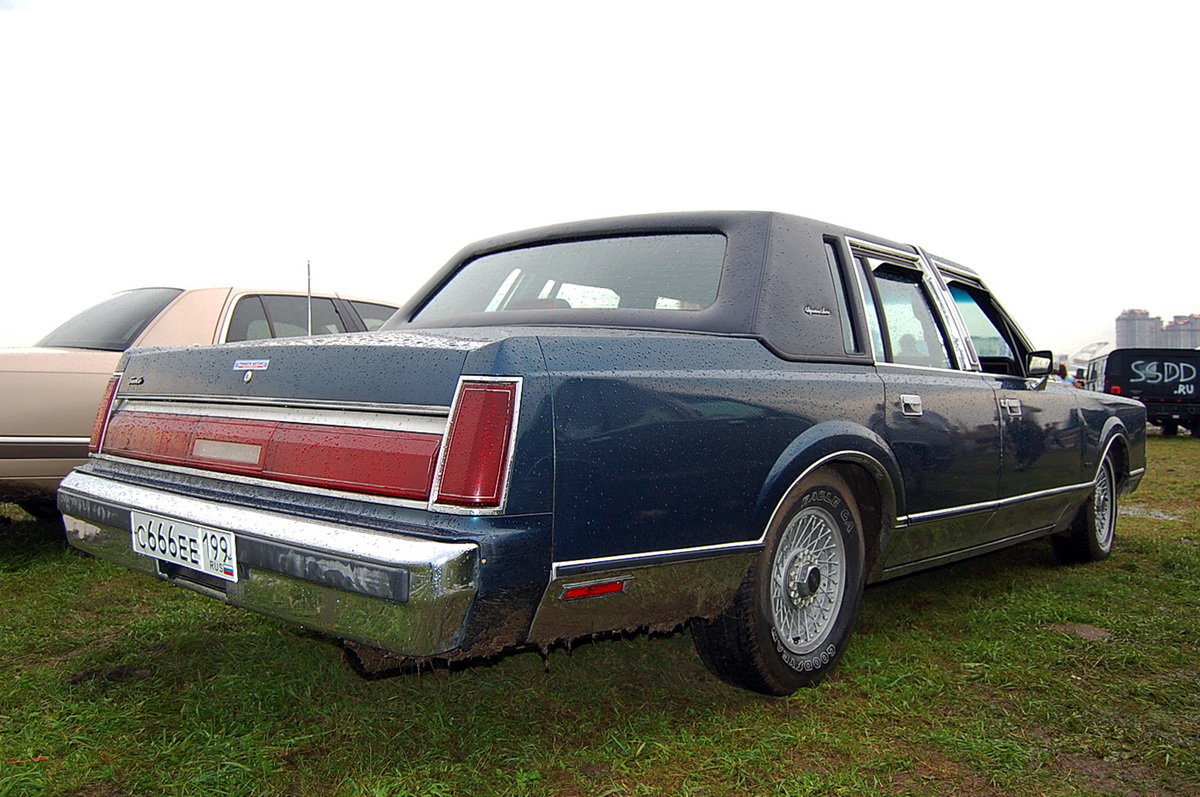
x=114, y=324
x=651, y=272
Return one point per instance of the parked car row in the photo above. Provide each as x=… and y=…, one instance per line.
x=53, y=389
x=732, y=420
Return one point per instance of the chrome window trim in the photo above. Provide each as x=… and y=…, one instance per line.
x=935, y=299
x=960, y=350
x=973, y=280
x=961, y=272
x=866, y=250
x=960, y=339
x=44, y=441
x=905, y=366
x=882, y=250
x=862, y=290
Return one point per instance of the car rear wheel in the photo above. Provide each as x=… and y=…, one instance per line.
x=1090, y=537
x=794, y=612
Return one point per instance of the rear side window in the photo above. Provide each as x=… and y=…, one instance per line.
x=114, y=324
x=905, y=318
x=651, y=272
x=373, y=315
x=260, y=317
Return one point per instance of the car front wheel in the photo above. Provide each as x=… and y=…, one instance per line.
x=794, y=612
x=1090, y=537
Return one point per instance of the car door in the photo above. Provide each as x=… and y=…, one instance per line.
x=939, y=419
x=1042, y=434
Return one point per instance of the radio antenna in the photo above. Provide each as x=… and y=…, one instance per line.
x=309, y=263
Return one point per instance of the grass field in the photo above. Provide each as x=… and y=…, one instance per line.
x=1006, y=675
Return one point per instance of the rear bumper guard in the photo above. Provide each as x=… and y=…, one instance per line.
x=397, y=592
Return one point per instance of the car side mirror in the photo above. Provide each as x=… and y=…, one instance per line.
x=1039, y=363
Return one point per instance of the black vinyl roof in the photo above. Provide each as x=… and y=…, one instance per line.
x=776, y=283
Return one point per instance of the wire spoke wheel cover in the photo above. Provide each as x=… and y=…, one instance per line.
x=794, y=613
x=1104, y=507
x=1091, y=534
x=808, y=580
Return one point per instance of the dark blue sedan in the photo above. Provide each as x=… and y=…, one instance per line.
x=733, y=420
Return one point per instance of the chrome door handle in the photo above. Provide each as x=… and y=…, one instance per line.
x=911, y=405
x=1012, y=406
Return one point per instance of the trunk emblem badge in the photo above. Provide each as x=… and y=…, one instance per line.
x=250, y=366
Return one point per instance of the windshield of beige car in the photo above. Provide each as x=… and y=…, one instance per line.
x=114, y=324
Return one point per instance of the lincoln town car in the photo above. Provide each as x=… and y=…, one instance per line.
x=730, y=421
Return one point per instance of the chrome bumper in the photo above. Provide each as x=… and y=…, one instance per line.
x=401, y=593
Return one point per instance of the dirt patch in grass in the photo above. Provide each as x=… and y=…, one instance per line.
x=1097, y=776
x=1081, y=630
x=936, y=774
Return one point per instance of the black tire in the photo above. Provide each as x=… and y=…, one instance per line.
x=42, y=509
x=1090, y=537
x=794, y=612
x=1170, y=428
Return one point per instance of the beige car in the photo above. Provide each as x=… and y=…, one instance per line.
x=51, y=390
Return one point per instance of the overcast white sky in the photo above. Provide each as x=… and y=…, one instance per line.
x=1053, y=146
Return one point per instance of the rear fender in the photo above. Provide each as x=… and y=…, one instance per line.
x=862, y=457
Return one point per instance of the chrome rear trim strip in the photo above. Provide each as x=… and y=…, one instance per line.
x=358, y=418
x=353, y=406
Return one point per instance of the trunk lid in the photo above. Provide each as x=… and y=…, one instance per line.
x=398, y=368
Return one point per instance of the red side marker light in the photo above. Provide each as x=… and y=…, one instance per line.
x=594, y=590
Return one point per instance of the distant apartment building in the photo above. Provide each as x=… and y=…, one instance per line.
x=1137, y=328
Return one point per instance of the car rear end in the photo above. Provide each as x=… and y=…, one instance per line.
x=1166, y=381
x=362, y=486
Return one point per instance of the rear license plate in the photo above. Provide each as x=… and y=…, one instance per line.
x=210, y=551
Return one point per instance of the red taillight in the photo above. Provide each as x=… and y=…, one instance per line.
x=398, y=464
x=102, y=415
x=471, y=459
x=474, y=468
x=377, y=461
x=1114, y=389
